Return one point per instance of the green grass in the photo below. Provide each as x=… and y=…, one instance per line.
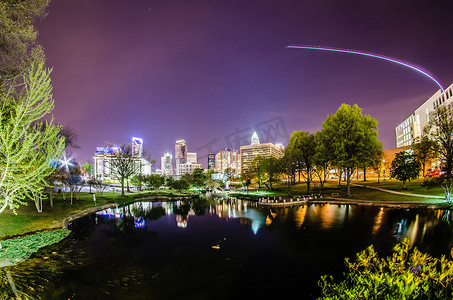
x=332, y=189
x=29, y=220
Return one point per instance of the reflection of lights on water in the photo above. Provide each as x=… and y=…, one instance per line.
x=378, y=221
x=139, y=222
x=299, y=216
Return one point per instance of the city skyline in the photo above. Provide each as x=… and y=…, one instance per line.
x=206, y=70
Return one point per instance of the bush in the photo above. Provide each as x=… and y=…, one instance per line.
x=431, y=182
x=407, y=274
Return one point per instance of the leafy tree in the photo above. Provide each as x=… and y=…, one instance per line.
x=378, y=164
x=138, y=180
x=322, y=159
x=180, y=184
x=288, y=165
x=18, y=47
x=350, y=134
x=404, y=167
x=407, y=274
x=246, y=179
x=28, y=144
x=257, y=170
x=303, y=145
x=425, y=150
x=271, y=168
x=440, y=130
x=199, y=178
x=154, y=181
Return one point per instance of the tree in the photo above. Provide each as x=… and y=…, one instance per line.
x=288, y=165
x=407, y=274
x=322, y=159
x=257, y=170
x=246, y=179
x=28, y=144
x=350, y=134
x=425, y=150
x=303, y=145
x=271, y=168
x=18, y=47
x=378, y=164
x=180, y=184
x=154, y=181
x=440, y=130
x=124, y=164
x=199, y=178
x=405, y=167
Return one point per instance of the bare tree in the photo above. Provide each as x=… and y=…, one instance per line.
x=123, y=164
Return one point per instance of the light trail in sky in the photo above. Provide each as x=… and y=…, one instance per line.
x=350, y=51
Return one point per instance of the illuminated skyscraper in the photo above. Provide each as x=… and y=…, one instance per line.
x=191, y=157
x=166, y=164
x=249, y=152
x=137, y=147
x=228, y=160
x=180, y=154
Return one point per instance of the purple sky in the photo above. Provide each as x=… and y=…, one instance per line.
x=200, y=70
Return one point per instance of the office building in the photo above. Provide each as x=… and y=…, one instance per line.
x=191, y=157
x=228, y=161
x=104, y=165
x=412, y=126
x=255, y=149
x=211, y=161
x=188, y=168
x=166, y=164
x=180, y=155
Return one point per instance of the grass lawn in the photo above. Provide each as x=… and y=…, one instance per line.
x=331, y=188
x=28, y=219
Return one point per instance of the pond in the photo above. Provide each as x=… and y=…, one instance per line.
x=219, y=249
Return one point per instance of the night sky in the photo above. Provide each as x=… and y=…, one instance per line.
x=210, y=71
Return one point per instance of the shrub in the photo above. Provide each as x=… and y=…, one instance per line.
x=407, y=274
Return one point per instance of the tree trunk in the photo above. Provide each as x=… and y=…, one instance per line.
x=122, y=186
x=364, y=173
x=348, y=182
x=51, y=197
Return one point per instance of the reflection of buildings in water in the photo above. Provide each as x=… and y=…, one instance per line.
x=239, y=209
x=181, y=221
x=299, y=215
x=327, y=214
x=378, y=220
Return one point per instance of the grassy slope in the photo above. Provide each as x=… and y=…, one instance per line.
x=28, y=219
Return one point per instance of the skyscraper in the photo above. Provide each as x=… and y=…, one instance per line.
x=180, y=154
x=137, y=147
x=166, y=164
x=228, y=160
x=192, y=157
x=249, y=152
x=211, y=161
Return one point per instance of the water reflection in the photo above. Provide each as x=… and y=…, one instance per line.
x=164, y=250
x=420, y=226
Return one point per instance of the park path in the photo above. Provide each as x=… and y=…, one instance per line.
x=398, y=193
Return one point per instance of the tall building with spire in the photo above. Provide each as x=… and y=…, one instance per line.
x=255, y=139
x=180, y=155
x=255, y=149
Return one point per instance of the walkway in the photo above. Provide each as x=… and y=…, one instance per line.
x=398, y=193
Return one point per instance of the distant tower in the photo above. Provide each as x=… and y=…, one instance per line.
x=211, y=161
x=255, y=139
x=166, y=164
x=137, y=147
x=180, y=155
